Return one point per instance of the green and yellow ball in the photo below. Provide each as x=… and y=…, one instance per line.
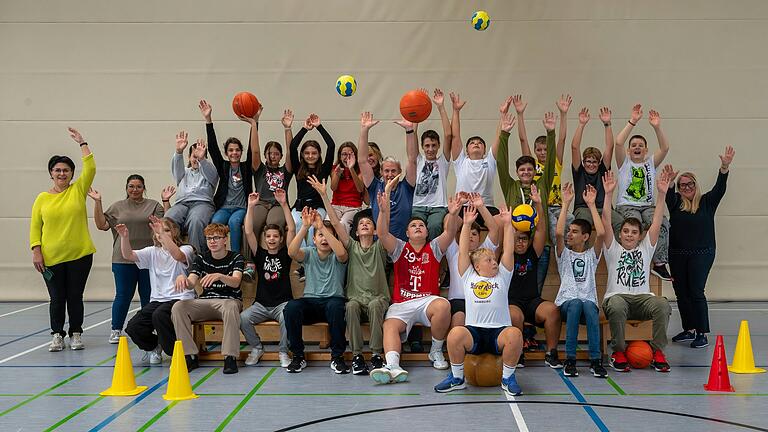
x=480, y=20
x=346, y=85
x=524, y=218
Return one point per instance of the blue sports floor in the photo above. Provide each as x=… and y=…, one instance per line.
x=59, y=391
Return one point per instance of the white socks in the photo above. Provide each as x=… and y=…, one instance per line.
x=437, y=345
x=393, y=359
x=507, y=371
x=457, y=370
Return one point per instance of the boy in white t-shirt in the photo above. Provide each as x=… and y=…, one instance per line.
x=636, y=195
x=628, y=295
x=577, y=297
x=430, y=196
x=488, y=327
x=151, y=329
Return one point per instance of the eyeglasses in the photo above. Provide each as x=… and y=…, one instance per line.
x=215, y=238
x=687, y=186
x=61, y=170
x=135, y=187
x=590, y=161
x=522, y=240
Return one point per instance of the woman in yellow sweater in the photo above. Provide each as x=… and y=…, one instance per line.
x=61, y=245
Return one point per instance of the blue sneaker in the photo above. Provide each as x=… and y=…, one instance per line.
x=450, y=384
x=510, y=386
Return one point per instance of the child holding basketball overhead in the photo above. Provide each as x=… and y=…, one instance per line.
x=577, y=297
x=629, y=295
x=488, y=328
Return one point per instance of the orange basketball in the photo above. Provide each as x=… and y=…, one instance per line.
x=639, y=354
x=245, y=104
x=483, y=370
x=415, y=106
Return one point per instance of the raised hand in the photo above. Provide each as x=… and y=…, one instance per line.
x=662, y=183
x=609, y=181
x=205, y=109
x=405, y=124
x=181, y=142
x=456, y=101
x=727, y=157
x=308, y=124
x=383, y=199
x=476, y=200
x=454, y=204
x=94, y=194
x=670, y=172
x=564, y=103
x=167, y=193
x=122, y=230
x=519, y=103
x=253, y=198
x=508, y=122
x=584, y=116
x=654, y=118
x=280, y=196
x=350, y=161
x=287, y=119
x=314, y=120
x=470, y=215
x=306, y=217
x=605, y=115
x=535, y=196
x=391, y=185
x=75, y=135
x=200, y=148
x=367, y=121
x=504, y=107
x=549, y=121
x=255, y=119
x=589, y=194
x=319, y=186
x=505, y=215
x=156, y=225
x=317, y=220
x=637, y=113
x=568, y=194
x=437, y=97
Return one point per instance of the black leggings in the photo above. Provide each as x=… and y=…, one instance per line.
x=689, y=274
x=65, y=289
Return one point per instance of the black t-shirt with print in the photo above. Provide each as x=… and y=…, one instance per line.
x=274, y=281
x=525, y=285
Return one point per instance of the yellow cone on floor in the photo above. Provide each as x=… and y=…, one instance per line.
x=123, y=381
x=743, y=359
x=179, y=387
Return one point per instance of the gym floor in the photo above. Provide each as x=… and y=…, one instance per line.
x=60, y=391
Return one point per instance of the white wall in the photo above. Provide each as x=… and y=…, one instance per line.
x=129, y=74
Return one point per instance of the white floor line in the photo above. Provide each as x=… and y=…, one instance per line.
x=22, y=310
x=7, y=359
x=521, y=425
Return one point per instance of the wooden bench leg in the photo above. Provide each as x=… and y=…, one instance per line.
x=198, y=333
x=325, y=342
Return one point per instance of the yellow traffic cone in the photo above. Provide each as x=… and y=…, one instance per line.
x=743, y=359
x=123, y=381
x=179, y=387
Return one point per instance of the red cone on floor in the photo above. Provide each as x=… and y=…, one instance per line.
x=718, y=372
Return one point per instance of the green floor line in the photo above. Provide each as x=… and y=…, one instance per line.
x=335, y=394
x=220, y=394
x=72, y=394
x=162, y=412
x=615, y=386
x=86, y=406
x=16, y=394
x=245, y=400
x=54, y=387
x=600, y=394
x=502, y=394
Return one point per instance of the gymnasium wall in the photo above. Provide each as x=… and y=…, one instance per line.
x=129, y=75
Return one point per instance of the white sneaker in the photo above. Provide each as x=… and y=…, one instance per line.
x=254, y=356
x=114, y=336
x=145, y=357
x=285, y=359
x=438, y=360
x=156, y=356
x=57, y=344
x=398, y=375
x=388, y=375
x=76, y=341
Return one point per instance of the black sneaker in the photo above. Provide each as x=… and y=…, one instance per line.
x=192, y=362
x=597, y=369
x=552, y=361
x=230, y=365
x=297, y=364
x=339, y=366
x=619, y=362
x=300, y=273
x=358, y=365
x=684, y=336
x=376, y=362
x=700, y=341
x=661, y=271
x=521, y=360
x=417, y=347
x=570, y=368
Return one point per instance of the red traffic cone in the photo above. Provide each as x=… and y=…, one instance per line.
x=718, y=372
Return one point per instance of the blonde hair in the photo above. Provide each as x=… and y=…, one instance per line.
x=175, y=232
x=476, y=254
x=690, y=206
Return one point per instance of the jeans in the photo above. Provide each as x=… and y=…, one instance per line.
x=310, y=310
x=309, y=241
x=232, y=217
x=65, y=289
x=574, y=312
x=127, y=276
x=433, y=216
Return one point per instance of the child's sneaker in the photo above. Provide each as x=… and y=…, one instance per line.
x=57, y=344
x=254, y=357
x=376, y=362
x=387, y=375
x=552, y=360
x=438, y=360
x=510, y=386
x=192, y=362
x=358, y=365
x=659, y=362
x=597, y=369
x=114, y=336
x=285, y=359
x=619, y=361
x=297, y=364
x=156, y=355
x=570, y=368
x=339, y=366
x=76, y=341
x=230, y=365
x=450, y=383
x=661, y=271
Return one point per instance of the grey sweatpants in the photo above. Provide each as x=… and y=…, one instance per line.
x=258, y=313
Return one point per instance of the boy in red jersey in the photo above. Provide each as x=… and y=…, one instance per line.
x=416, y=293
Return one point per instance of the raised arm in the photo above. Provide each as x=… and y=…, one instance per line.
x=294, y=247
x=214, y=150
x=605, y=117
x=445, y=238
x=351, y=164
x=662, y=183
x=540, y=236
x=655, y=120
x=250, y=235
x=166, y=240
x=177, y=162
x=718, y=191
x=253, y=156
x=508, y=254
x=470, y=215
x=206, y=167
x=366, y=123
x=563, y=105
x=456, y=145
x=411, y=149
x=545, y=181
x=439, y=99
x=590, y=195
x=287, y=121
x=125, y=243
x=577, y=135
x=502, y=157
x=330, y=145
x=322, y=190
x=609, y=184
x=336, y=246
x=567, y=189
x=520, y=105
x=290, y=225
x=293, y=149
x=621, y=138
x=165, y=196
x=504, y=114
x=98, y=212
x=490, y=222
x=382, y=223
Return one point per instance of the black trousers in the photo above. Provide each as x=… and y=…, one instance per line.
x=65, y=288
x=154, y=316
x=689, y=274
x=309, y=310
